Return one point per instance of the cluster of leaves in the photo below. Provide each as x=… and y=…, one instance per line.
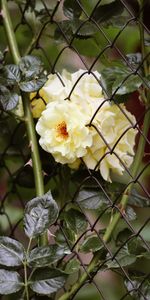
x=40, y=213
x=27, y=76
x=48, y=271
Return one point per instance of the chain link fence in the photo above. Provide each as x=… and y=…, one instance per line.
x=86, y=36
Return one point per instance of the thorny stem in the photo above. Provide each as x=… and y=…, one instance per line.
x=124, y=201
x=39, y=184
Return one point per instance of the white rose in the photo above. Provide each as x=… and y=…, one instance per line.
x=63, y=131
x=111, y=124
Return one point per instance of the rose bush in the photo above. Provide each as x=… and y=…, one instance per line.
x=68, y=131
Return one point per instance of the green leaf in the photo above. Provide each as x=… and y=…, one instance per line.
x=134, y=59
x=10, y=282
x=123, y=236
x=75, y=220
x=30, y=66
x=12, y=73
x=91, y=244
x=11, y=252
x=65, y=237
x=109, y=75
x=130, y=213
x=32, y=85
x=138, y=288
x=124, y=258
x=123, y=86
x=138, y=200
x=47, y=281
x=105, y=12
x=72, y=266
x=43, y=256
x=86, y=47
x=40, y=213
x=91, y=199
x=8, y=100
x=72, y=9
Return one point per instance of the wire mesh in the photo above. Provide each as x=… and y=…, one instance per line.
x=15, y=154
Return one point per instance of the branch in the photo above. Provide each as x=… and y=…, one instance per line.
x=37, y=168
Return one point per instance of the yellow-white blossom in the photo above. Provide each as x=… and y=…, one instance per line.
x=113, y=129
x=63, y=124
x=63, y=131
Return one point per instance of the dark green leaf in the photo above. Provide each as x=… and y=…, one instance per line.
x=146, y=255
x=86, y=47
x=130, y=213
x=10, y=282
x=64, y=31
x=105, y=12
x=124, y=258
x=138, y=200
x=25, y=177
x=47, y=281
x=72, y=9
x=32, y=85
x=30, y=66
x=43, y=256
x=65, y=237
x=75, y=220
x=138, y=288
x=123, y=236
x=8, y=100
x=40, y=213
x=136, y=246
x=72, y=266
x=134, y=59
x=83, y=30
x=11, y=252
x=91, y=199
x=109, y=75
x=123, y=86
x=12, y=73
x=91, y=244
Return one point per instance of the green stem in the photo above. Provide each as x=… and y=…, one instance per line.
x=141, y=30
x=39, y=184
x=26, y=282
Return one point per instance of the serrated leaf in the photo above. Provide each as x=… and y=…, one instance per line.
x=43, y=256
x=91, y=244
x=30, y=66
x=32, y=85
x=8, y=100
x=11, y=252
x=10, y=282
x=72, y=266
x=123, y=258
x=12, y=73
x=40, y=213
x=72, y=9
x=75, y=220
x=105, y=12
x=47, y=281
x=91, y=199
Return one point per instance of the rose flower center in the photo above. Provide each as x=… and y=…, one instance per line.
x=62, y=130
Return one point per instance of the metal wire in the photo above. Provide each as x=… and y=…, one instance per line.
x=12, y=195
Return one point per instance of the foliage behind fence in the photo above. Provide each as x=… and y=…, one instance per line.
x=102, y=232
